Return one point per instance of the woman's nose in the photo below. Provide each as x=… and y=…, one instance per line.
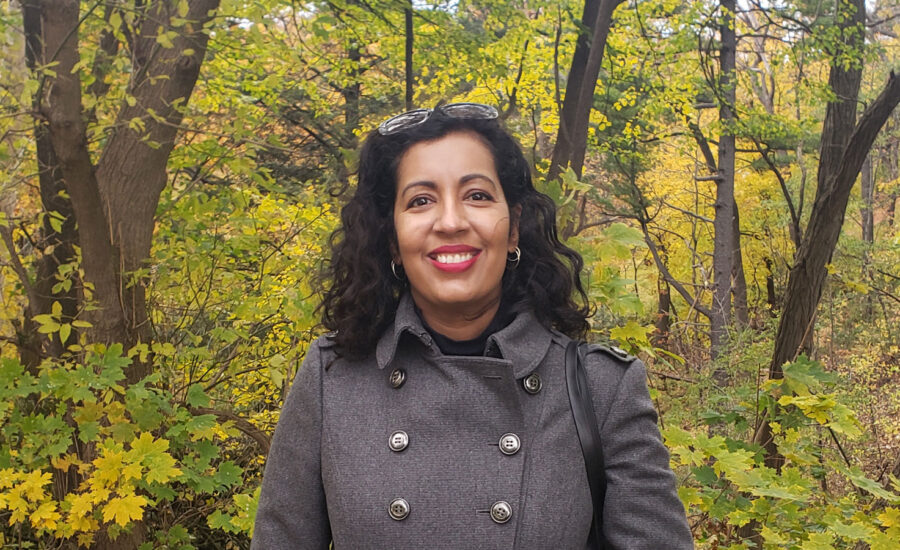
x=451, y=217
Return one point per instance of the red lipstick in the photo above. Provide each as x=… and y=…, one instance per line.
x=454, y=250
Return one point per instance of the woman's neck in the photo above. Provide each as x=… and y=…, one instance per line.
x=459, y=325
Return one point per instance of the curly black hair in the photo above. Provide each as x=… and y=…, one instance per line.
x=361, y=293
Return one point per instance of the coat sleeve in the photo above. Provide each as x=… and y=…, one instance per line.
x=642, y=509
x=292, y=512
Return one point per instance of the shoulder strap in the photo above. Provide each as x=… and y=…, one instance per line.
x=589, y=436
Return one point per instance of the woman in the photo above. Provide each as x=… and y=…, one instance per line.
x=436, y=413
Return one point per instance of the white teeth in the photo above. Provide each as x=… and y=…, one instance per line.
x=454, y=258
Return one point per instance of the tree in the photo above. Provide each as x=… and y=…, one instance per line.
x=571, y=139
x=844, y=147
x=724, y=222
x=103, y=202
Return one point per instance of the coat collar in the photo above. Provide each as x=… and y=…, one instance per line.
x=524, y=342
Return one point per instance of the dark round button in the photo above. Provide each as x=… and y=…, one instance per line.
x=399, y=509
x=501, y=511
x=510, y=444
x=399, y=441
x=398, y=377
x=532, y=383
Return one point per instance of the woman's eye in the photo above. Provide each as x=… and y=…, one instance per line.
x=480, y=196
x=418, y=201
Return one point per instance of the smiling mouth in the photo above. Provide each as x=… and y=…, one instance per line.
x=457, y=258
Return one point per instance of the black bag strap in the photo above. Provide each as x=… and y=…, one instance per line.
x=589, y=436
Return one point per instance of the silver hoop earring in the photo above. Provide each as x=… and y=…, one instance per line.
x=513, y=257
x=394, y=271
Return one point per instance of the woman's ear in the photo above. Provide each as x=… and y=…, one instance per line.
x=395, y=254
x=515, y=213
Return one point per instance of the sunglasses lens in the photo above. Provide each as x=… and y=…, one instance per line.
x=403, y=121
x=470, y=110
x=415, y=117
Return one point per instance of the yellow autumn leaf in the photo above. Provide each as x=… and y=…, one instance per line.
x=131, y=471
x=46, y=516
x=890, y=517
x=99, y=495
x=33, y=485
x=124, y=509
x=107, y=470
x=19, y=508
x=689, y=495
x=86, y=523
x=7, y=478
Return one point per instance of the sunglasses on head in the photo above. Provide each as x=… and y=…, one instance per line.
x=411, y=119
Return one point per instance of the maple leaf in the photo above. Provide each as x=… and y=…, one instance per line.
x=33, y=485
x=46, y=516
x=81, y=505
x=124, y=509
x=890, y=517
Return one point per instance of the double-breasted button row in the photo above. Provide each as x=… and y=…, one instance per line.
x=532, y=383
x=501, y=511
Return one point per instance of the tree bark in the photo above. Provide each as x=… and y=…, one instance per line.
x=408, y=20
x=843, y=150
x=563, y=147
x=663, y=323
x=131, y=173
x=867, y=212
x=739, y=281
x=586, y=92
x=771, y=299
x=723, y=225
x=113, y=203
x=571, y=138
x=61, y=244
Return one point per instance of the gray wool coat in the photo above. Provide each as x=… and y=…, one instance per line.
x=338, y=468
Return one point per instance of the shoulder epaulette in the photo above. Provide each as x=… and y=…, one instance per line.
x=616, y=353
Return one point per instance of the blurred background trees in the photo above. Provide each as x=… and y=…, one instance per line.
x=171, y=170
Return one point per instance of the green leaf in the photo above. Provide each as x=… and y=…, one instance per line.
x=858, y=478
x=853, y=531
x=228, y=474
x=196, y=397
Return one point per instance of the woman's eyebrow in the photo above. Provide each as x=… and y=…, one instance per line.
x=475, y=176
x=424, y=183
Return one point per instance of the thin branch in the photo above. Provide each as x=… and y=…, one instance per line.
x=241, y=424
x=672, y=280
x=19, y=269
x=795, y=220
x=688, y=212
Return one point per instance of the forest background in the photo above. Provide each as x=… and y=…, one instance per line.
x=171, y=171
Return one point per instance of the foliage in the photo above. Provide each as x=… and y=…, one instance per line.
x=814, y=500
x=266, y=153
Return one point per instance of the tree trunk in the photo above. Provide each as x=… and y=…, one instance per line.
x=586, y=92
x=113, y=203
x=661, y=327
x=408, y=20
x=892, y=160
x=844, y=147
x=771, y=300
x=562, y=150
x=571, y=138
x=739, y=284
x=867, y=212
x=56, y=205
x=723, y=225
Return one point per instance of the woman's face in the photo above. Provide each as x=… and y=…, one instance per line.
x=453, y=226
